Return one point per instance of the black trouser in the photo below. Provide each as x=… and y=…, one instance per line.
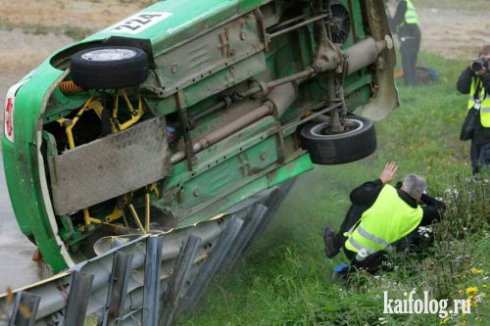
x=370, y=264
x=475, y=157
x=409, y=49
x=351, y=218
x=479, y=155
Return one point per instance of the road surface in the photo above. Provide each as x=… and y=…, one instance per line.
x=16, y=265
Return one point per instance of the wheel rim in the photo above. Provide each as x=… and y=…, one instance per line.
x=105, y=55
x=318, y=130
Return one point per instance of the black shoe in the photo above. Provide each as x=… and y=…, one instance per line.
x=331, y=250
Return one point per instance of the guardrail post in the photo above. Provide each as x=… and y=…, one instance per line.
x=180, y=276
x=76, y=306
x=272, y=203
x=243, y=239
x=212, y=264
x=151, y=293
x=118, y=288
x=24, y=310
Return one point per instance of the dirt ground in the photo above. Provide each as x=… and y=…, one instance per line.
x=454, y=34
x=53, y=14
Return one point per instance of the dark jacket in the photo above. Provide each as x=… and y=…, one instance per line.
x=465, y=79
x=481, y=134
x=366, y=194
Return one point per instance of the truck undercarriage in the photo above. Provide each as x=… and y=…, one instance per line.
x=175, y=117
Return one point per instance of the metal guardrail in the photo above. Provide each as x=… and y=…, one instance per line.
x=148, y=281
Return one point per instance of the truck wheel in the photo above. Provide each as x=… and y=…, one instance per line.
x=109, y=67
x=325, y=147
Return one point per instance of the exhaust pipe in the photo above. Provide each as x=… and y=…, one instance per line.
x=364, y=54
x=278, y=101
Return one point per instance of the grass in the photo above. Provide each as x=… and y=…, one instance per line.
x=285, y=279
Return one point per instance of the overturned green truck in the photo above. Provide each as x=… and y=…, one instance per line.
x=177, y=116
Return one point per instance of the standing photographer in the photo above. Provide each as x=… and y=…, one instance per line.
x=475, y=81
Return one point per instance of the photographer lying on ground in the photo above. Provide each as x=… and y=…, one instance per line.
x=383, y=218
x=475, y=81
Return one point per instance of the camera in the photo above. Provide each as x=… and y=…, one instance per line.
x=479, y=64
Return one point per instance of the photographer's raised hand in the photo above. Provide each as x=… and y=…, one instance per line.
x=388, y=172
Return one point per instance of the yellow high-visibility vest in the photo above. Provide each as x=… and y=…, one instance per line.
x=411, y=16
x=480, y=101
x=387, y=221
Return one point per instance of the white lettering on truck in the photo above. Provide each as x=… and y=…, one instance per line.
x=140, y=22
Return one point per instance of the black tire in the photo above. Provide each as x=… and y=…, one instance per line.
x=350, y=146
x=109, y=67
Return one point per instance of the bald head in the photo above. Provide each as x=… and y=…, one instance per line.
x=414, y=185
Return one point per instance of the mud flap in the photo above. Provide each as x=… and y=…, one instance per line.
x=386, y=97
x=109, y=167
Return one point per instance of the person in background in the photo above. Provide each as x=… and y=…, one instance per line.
x=382, y=218
x=405, y=23
x=475, y=81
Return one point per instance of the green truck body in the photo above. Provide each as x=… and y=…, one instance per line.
x=212, y=62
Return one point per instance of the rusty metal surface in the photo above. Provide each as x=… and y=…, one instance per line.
x=109, y=167
x=199, y=59
x=386, y=97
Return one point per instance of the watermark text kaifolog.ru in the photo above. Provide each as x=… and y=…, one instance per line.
x=411, y=304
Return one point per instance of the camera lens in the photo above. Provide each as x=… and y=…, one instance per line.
x=478, y=65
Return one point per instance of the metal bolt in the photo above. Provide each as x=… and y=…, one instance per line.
x=195, y=192
x=243, y=36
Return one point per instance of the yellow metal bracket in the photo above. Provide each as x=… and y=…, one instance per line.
x=88, y=219
x=136, y=114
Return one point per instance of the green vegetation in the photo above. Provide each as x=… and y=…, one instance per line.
x=285, y=279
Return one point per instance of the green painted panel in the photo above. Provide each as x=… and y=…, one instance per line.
x=226, y=173
x=21, y=166
x=274, y=177
x=183, y=19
